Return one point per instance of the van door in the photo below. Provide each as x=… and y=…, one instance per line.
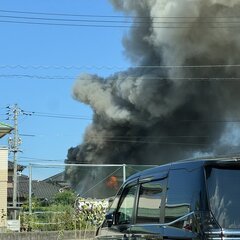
x=139, y=212
x=185, y=197
x=150, y=208
x=122, y=217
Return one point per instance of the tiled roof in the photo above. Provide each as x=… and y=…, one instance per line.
x=11, y=166
x=40, y=189
x=55, y=178
x=58, y=179
x=20, y=194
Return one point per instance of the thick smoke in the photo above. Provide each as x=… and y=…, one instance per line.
x=153, y=115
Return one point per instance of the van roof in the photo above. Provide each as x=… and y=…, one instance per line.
x=186, y=163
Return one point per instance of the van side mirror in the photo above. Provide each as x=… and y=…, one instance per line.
x=109, y=218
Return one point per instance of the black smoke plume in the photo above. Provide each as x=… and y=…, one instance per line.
x=182, y=100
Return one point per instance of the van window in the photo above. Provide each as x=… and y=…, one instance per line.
x=126, y=206
x=149, y=203
x=183, y=195
x=224, y=195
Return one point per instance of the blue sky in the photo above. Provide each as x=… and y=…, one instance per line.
x=29, y=45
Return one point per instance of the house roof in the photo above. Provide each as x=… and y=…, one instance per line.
x=4, y=129
x=58, y=179
x=40, y=189
x=19, y=167
x=55, y=178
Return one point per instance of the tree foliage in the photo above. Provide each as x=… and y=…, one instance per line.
x=64, y=212
x=65, y=198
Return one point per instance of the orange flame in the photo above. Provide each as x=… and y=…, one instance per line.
x=112, y=182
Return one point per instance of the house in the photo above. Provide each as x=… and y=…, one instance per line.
x=4, y=129
x=3, y=186
x=58, y=180
x=40, y=189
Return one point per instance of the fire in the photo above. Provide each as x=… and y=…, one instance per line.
x=112, y=182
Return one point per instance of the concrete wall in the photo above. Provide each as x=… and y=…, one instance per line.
x=3, y=186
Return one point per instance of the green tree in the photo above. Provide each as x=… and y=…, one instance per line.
x=67, y=197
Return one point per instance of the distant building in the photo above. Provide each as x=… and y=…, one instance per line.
x=58, y=180
x=44, y=191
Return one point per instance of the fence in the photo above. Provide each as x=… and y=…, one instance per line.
x=88, y=180
x=96, y=182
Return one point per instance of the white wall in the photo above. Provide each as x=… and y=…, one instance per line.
x=3, y=185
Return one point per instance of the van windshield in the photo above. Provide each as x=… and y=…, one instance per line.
x=224, y=194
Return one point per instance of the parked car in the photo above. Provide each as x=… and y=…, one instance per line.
x=193, y=199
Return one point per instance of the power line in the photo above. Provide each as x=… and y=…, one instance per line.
x=35, y=76
x=66, y=24
x=53, y=115
x=114, y=16
x=157, y=142
x=42, y=159
x=49, y=115
x=71, y=20
x=102, y=23
x=95, y=20
x=112, y=26
x=118, y=21
x=117, y=137
x=68, y=14
x=152, y=137
x=118, y=67
x=60, y=67
x=82, y=117
x=69, y=116
x=66, y=117
x=47, y=135
x=129, y=76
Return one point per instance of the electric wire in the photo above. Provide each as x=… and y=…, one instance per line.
x=157, y=142
x=55, y=77
x=42, y=159
x=35, y=76
x=57, y=115
x=69, y=116
x=112, y=16
x=24, y=67
x=65, y=24
x=67, y=14
x=117, y=21
x=118, y=137
x=118, y=67
x=112, y=26
x=63, y=117
x=70, y=20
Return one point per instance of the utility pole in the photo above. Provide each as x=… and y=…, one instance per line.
x=14, y=148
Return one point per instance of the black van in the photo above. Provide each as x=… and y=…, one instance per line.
x=193, y=199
